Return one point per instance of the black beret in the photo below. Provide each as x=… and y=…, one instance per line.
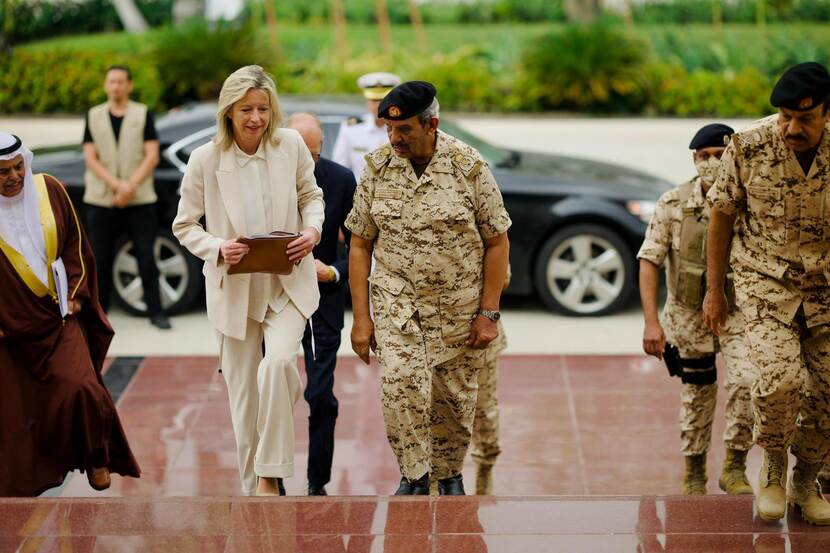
x=406, y=100
x=712, y=135
x=802, y=87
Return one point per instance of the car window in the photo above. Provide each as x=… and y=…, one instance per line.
x=184, y=153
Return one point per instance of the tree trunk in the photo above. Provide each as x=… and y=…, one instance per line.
x=131, y=18
x=583, y=10
x=338, y=19
x=187, y=9
x=273, y=35
x=418, y=25
x=383, y=26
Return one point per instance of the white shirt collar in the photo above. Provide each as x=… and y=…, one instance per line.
x=242, y=158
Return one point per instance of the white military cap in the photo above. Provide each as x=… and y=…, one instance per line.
x=376, y=85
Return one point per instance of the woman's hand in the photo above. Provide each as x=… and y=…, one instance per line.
x=233, y=251
x=303, y=245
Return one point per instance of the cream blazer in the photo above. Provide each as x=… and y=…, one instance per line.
x=210, y=189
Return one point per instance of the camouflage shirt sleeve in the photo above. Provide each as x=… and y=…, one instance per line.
x=491, y=216
x=728, y=193
x=360, y=220
x=657, y=242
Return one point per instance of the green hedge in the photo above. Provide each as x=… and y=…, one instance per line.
x=39, y=19
x=735, y=11
x=57, y=81
x=597, y=68
x=432, y=11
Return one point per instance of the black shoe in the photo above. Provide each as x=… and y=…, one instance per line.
x=313, y=489
x=454, y=485
x=414, y=487
x=405, y=488
x=280, y=487
x=160, y=321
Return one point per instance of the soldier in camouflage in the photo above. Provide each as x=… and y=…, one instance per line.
x=774, y=180
x=676, y=238
x=429, y=209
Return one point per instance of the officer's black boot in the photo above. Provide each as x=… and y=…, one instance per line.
x=454, y=485
x=421, y=485
x=414, y=487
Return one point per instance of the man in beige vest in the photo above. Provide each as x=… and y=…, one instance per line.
x=121, y=149
x=675, y=239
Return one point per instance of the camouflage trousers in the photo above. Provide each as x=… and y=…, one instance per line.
x=428, y=409
x=485, y=441
x=791, y=396
x=698, y=402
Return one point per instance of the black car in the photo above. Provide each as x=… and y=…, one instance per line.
x=577, y=224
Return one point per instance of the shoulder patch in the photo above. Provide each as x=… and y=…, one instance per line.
x=758, y=132
x=380, y=157
x=465, y=157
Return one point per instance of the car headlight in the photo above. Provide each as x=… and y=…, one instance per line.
x=641, y=209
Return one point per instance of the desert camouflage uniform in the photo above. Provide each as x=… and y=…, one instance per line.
x=426, y=288
x=781, y=258
x=485, y=441
x=685, y=328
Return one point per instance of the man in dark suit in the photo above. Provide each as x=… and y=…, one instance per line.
x=322, y=337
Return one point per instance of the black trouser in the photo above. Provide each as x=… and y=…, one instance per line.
x=319, y=393
x=103, y=225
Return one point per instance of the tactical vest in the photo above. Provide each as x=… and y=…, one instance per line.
x=686, y=267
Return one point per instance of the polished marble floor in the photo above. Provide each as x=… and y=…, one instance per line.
x=401, y=525
x=590, y=463
x=571, y=425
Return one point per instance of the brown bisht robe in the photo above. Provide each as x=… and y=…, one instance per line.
x=55, y=413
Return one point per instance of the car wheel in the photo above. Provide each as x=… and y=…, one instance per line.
x=585, y=270
x=180, y=279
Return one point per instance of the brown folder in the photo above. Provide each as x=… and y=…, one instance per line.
x=267, y=254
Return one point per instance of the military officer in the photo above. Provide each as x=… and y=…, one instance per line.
x=676, y=238
x=773, y=181
x=430, y=211
x=485, y=440
x=358, y=137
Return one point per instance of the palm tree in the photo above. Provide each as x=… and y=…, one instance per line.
x=131, y=18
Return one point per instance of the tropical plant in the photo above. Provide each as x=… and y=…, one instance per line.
x=594, y=66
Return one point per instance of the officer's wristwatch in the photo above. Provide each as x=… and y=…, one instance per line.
x=492, y=315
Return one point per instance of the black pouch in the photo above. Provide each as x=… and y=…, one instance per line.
x=671, y=357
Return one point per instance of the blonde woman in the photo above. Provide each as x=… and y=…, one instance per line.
x=255, y=177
